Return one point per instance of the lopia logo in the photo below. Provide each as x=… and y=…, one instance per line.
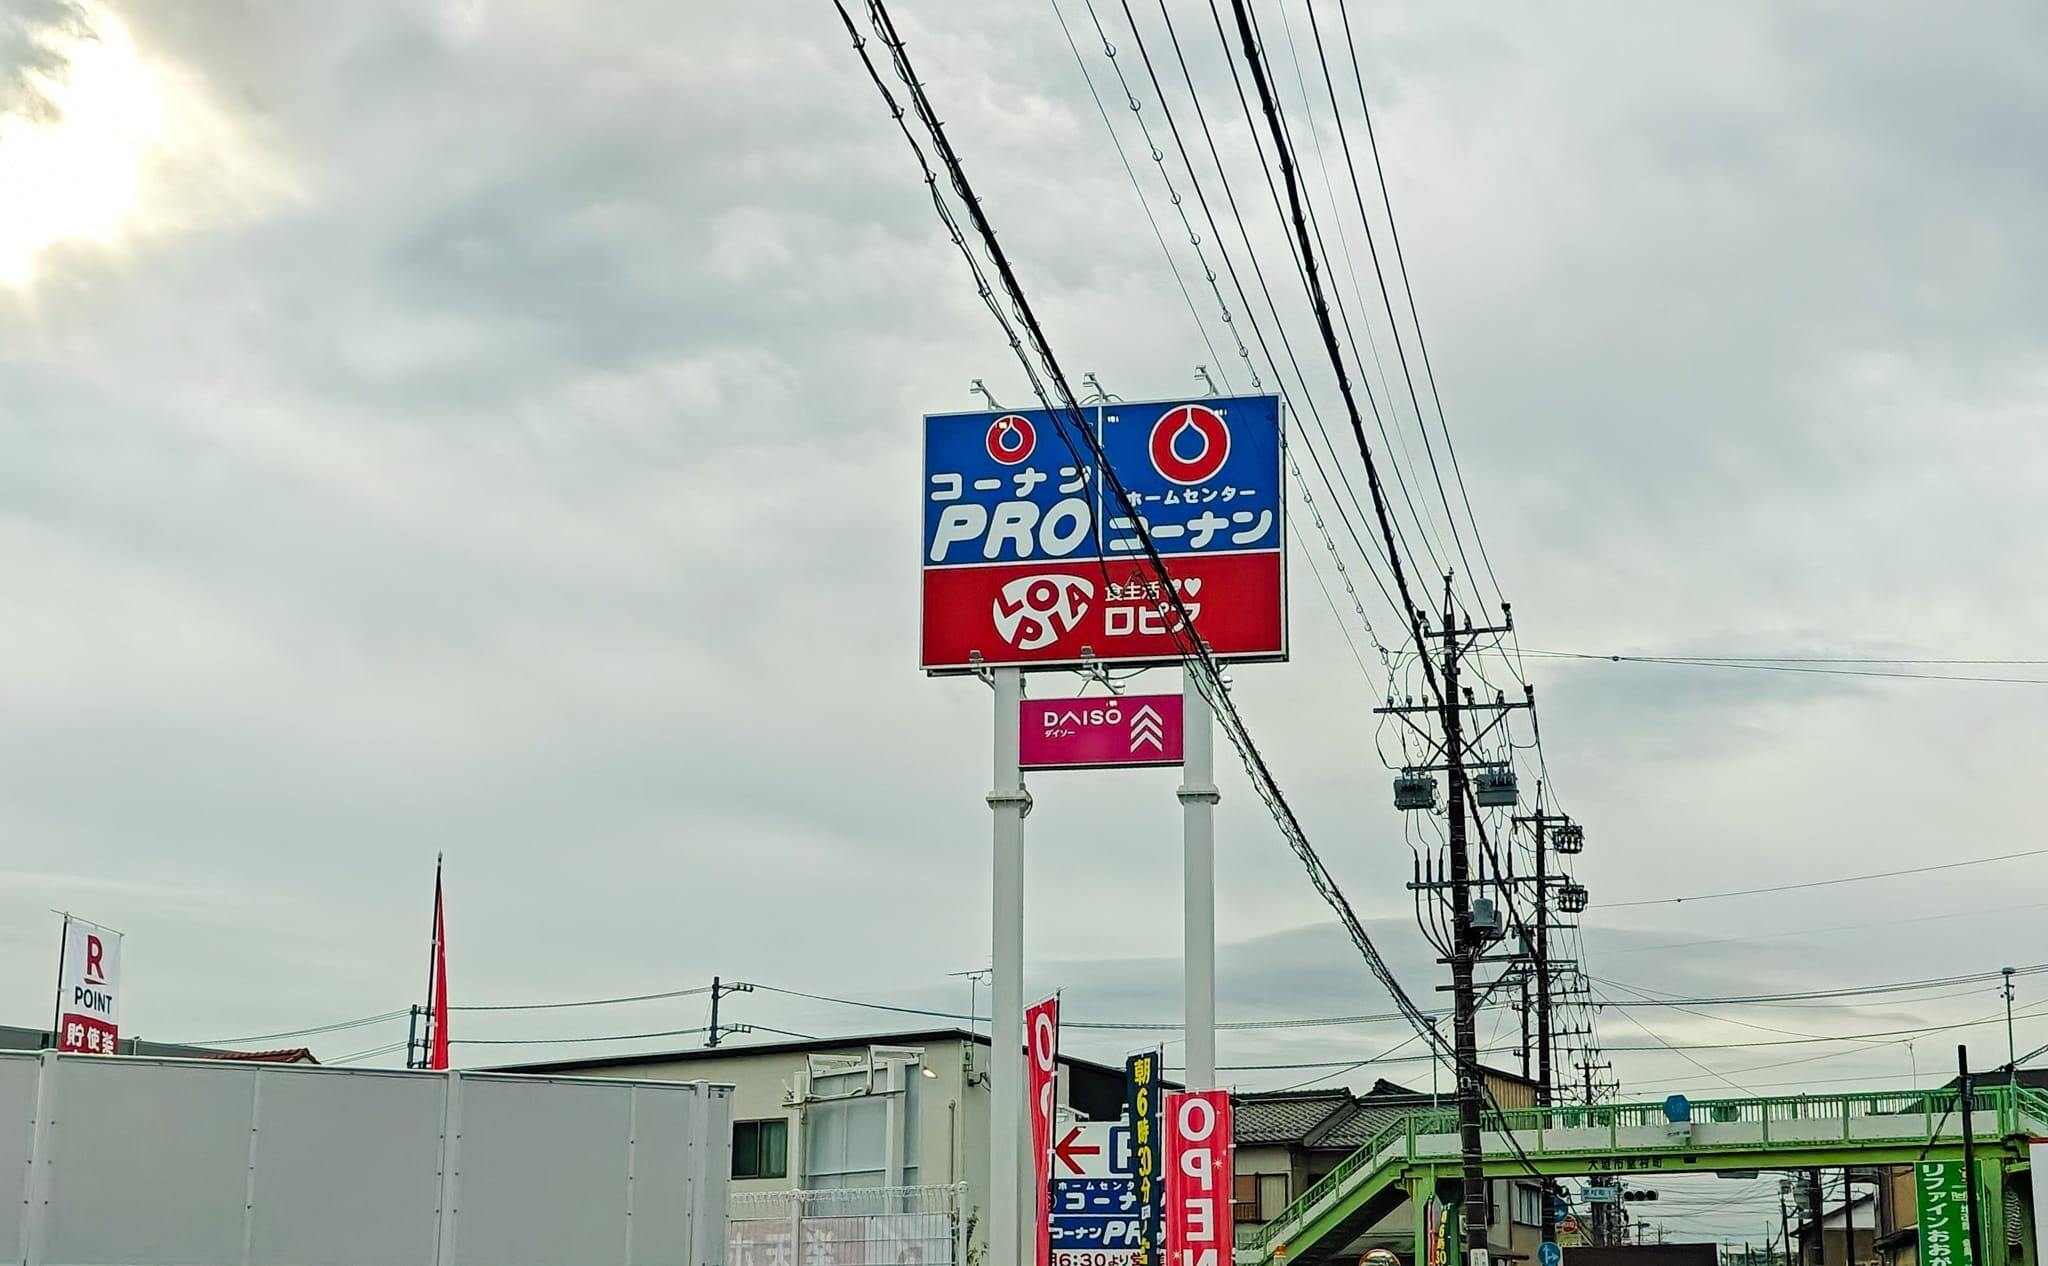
x=1032, y=612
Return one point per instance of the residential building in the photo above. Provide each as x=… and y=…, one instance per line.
x=1863, y=1210
x=889, y=1125
x=1288, y=1140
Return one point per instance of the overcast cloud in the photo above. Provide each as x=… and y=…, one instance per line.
x=492, y=428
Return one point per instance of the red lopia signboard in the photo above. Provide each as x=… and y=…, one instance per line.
x=1100, y=733
x=1042, y=1057
x=1031, y=559
x=1198, y=1179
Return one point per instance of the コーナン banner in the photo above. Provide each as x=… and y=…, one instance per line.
x=1031, y=559
x=1198, y=1179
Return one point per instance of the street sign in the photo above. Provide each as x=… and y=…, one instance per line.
x=1100, y=733
x=1942, y=1201
x=1549, y=1254
x=1097, y=1215
x=1030, y=560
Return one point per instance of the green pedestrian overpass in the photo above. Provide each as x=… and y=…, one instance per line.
x=1412, y=1157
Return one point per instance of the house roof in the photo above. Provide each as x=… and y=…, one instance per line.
x=288, y=1055
x=1285, y=1116
x=732, y=1050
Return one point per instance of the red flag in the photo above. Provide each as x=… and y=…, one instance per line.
x=437, y=1056
x=1042, y=1044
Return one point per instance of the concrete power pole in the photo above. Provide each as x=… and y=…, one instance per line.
x=1457, y=640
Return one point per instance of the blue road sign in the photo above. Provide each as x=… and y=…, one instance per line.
x=1549, y=1254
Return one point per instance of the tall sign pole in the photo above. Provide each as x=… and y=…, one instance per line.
x=1029, y=563
x=1198, y=797
x=1009, y=802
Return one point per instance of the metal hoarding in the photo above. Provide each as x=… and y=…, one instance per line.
x=153, y=1162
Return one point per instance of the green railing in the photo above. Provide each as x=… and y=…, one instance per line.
x=2020, y=1110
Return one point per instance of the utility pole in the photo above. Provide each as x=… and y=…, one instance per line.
x=1452, y=745
x=1785, y=1219
x=1568, y=837
x=1465, y=1019
x=1848, y=1219
x=1966, y=1092
x=1818, y=1239
x=2012, y=1060
x=1589, y=1068
x=717, y=1030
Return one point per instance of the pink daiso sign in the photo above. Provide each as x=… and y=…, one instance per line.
x=1100, y=733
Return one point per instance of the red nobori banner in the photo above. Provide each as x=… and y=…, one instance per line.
x=88, y=991
x=1198, y=1179
x=1042, y=1058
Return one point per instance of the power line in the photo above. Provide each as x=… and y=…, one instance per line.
x=1852, y=991
x=567, y=1041
x=1200, y=664
x=1788, y=667
x=381, y=1017
x=588, y=1002
x=1823, y=883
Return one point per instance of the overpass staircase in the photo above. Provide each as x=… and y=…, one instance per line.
x=1409, y=1158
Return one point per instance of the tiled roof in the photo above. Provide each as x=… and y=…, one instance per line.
x=293, y=1055
x=1360, y=1127
x=1285, y=1117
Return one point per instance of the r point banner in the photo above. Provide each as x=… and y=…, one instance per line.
x=88, y=989
x=1199, y=1170
x=1042, y=1058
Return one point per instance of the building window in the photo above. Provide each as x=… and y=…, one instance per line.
x=1244, y=1199
x=1257, y=1198
x=760, y=1149
x=1526, y=1204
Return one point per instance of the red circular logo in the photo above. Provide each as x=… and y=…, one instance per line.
x=1011, y=438
x=1190, y=444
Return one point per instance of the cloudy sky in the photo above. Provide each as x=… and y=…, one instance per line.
x=476, y=427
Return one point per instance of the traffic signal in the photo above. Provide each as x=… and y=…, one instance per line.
x=1638, y=1195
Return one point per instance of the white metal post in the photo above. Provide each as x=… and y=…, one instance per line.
x=1010, y=802
x=1198, y=797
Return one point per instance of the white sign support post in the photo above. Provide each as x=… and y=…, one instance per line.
x=1009, y=802
x=1198, y=797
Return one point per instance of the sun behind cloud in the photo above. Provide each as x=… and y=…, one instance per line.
x=91, y=152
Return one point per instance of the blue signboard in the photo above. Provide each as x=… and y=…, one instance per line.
x=1030, y=558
